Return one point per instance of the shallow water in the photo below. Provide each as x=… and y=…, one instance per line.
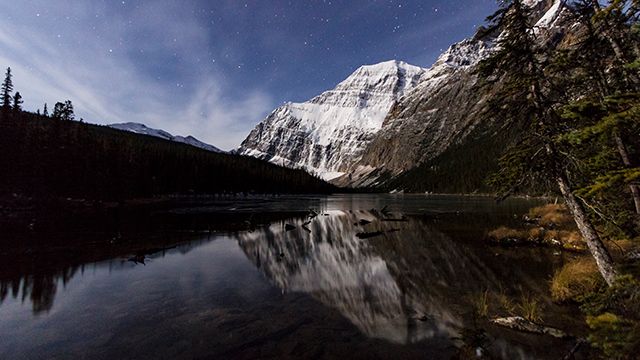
x=317, y=291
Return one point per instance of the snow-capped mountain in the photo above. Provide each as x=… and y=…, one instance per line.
x=327, y=133
x=143, y=129
x=385, y=118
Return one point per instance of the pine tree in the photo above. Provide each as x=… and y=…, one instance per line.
x=7, y=89
x=45, y=112
x=523, y=95
x=58, y=111
x=68, y=113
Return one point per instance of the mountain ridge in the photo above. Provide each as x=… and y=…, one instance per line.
x=441, y=113
x=139, y=128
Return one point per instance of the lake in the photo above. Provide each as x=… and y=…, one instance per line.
x=274, y=277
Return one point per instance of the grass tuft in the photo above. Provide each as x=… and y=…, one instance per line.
x=482, y=304
x=576, y=278
x=530, y=309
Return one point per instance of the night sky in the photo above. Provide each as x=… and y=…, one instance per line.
x=216, y=68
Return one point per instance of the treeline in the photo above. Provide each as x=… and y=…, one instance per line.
x=43, y=156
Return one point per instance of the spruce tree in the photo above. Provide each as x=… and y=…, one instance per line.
x=523, y=95
x=7, y=89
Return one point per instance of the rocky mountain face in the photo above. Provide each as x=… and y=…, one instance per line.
x=423, y=123
x=143, y=129
x=326, y=134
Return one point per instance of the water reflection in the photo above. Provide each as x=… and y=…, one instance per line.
x=37, y=278
x=408, y=284
x=330, y=263
x=36, y=264
x=40, y=289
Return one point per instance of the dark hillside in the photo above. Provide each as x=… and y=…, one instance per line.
x=46, y=157
x=463, y=168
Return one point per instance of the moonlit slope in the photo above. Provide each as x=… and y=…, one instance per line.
x=327, y=133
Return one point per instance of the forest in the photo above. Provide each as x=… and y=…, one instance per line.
x=46, y=156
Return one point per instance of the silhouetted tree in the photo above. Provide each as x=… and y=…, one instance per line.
x=63, y=111
x=17, y=102
x=58, y=109
x=68, y=113
x=7, y=88
x=45, y=112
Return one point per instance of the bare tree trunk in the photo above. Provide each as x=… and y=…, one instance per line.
x=635, y=192
x=595, y=245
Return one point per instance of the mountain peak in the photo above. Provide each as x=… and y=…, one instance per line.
x=307, y=134
x=391, y=65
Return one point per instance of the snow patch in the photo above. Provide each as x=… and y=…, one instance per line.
x=144, y=130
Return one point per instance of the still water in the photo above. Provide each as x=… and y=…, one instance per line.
x=314, y=277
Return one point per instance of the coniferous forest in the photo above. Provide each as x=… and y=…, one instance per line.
x=54, y=156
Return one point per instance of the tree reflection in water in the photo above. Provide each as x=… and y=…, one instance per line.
x=39, y=287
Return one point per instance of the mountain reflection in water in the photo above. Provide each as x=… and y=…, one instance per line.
x=408, y=284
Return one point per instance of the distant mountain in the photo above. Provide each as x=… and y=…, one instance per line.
x=143, y=129
x=326, y=134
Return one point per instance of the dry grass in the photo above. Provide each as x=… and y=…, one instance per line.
x=620, y=249
x=482, y=304
x=553, y=216
x=506, y=303
x=574, y=279
x=570, y=240
x=530, y=308
x=504, y=233
x=553, y=226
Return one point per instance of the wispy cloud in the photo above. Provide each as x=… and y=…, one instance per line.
x=145, y=63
